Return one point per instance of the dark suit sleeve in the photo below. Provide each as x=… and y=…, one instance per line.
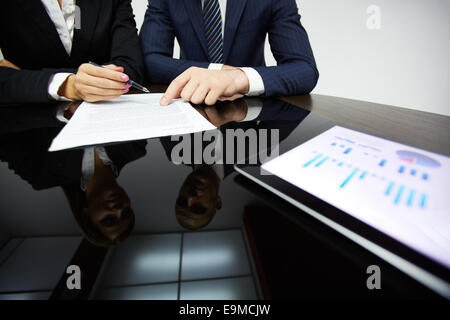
x=23, y=118
x=275, y=109
x=26, y=86
x=125, y=46
x=296, y=71
x=157, y=39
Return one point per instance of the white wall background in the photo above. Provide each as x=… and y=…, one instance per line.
x=404, y=63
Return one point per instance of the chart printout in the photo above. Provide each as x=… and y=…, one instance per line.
x=399, y=190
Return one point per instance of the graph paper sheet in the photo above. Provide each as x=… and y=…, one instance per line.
x=399, y=190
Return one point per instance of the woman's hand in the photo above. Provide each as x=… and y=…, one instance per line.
x=7, y=64
x=93, y=83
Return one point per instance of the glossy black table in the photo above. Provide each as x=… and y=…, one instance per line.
x=251, y=245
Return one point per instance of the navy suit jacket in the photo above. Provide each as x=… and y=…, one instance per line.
x=246, y=26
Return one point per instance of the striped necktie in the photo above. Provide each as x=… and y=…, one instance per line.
x=212, y=19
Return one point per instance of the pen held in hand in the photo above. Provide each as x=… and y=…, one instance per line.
x=130, y=82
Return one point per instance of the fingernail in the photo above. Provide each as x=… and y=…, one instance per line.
x=125, y=90
x=127, y=86
x=125, y=78
x=164, y=100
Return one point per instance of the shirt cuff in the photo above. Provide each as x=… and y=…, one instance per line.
x=254, y=107
x=60, y=111
x=55, y=82
x=215, y=66
x=256, y=83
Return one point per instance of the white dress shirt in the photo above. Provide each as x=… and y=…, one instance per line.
x=256, y=84
x=64, y=20
x=88, y=161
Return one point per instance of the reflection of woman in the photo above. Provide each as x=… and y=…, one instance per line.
x=99, y=205
x=47, y=43
x=103, y=211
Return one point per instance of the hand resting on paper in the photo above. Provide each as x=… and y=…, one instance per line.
x=200, y=85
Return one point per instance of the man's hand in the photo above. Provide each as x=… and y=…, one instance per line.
x=226, y=112
x=199, y=85
x=7, y=64
x=93, y=83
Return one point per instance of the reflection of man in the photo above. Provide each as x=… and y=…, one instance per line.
x=199, y=198
x=100, y=206
x=222, y=49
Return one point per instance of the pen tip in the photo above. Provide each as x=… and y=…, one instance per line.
x=146, y=90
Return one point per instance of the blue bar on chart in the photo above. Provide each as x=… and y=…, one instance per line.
x=411, y=197
x=347, y=151
x=322, y=161
x=425, y=176
x=333, y=144
x=423, y=200
x=382, y=163
x=401, y=169
x=413, y=172
x=363, y=175
x=340, y=164
x=389, y=188
x=399, y=194
x=348, y=178
x=312, y=160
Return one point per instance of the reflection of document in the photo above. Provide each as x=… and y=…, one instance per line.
x=399, y=190
x=130, y=117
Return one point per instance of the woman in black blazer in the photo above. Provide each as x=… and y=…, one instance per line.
x=105, y=32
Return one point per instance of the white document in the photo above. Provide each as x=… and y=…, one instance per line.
x=399, y=190
x=129, y=117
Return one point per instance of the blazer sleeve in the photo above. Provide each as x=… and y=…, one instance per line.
x=296, y=71
x=125, y=46
x=14, y=84
x=157, y=41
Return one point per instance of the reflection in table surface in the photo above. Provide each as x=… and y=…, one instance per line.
x=164, y=215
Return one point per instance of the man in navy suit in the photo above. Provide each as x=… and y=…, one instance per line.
x=222, y=49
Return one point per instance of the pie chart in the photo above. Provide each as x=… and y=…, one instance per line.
x=412, y=157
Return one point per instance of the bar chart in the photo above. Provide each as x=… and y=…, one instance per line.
x=399, y=190
x=396, y=191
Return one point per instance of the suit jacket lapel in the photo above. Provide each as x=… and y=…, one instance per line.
x=82, y=38
x=233, y=17
x=194, y=11
x=36, y=11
